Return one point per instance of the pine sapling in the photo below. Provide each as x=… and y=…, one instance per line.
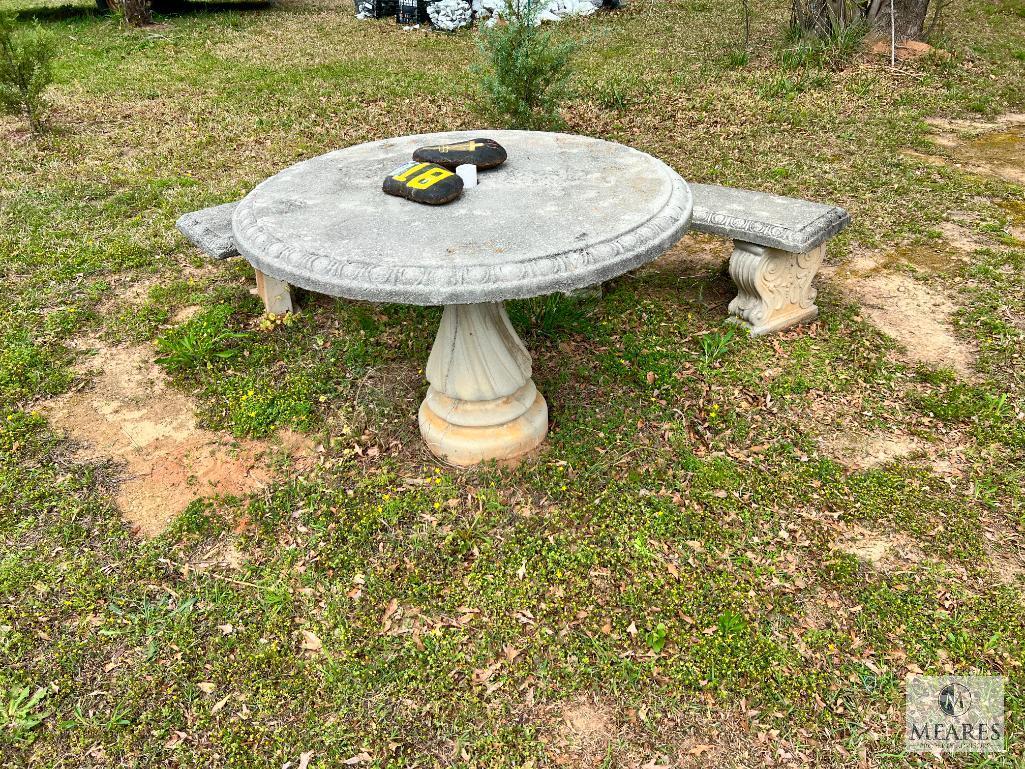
x=524, y=69
x=26, y=70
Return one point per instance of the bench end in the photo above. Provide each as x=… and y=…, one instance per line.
x=210, y=230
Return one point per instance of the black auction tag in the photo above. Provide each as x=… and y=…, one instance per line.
x=424, y=183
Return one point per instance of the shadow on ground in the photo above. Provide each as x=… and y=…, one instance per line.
x=161, y=7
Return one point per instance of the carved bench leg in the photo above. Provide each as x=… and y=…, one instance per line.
x=276, y=294
x=774, y=286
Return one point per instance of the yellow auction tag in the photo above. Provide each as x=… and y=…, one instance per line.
x=467, y=146
x=429, y=177
x=404, y=173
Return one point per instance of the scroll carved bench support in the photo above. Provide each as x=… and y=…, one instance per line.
x=778, y=246
x=210, y=230
x=774, y=286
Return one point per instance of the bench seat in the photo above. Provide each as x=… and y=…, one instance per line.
x=778, y=245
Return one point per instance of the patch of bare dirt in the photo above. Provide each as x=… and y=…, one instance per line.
x=697, y=270
x=916, y=315
x=842, y=436
x=945, y=126
x=934, y=257
x=135, y=291
x=1005, y=548
x=822, y=610
x=906, y=50
x=185, y=314
x=994, y=149
x=589, y=732
x=862, y=450
x=704, y=252
x=962, y=239
x=127, y=413
x=888, y=551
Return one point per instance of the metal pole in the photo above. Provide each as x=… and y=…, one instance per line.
x=893, y=36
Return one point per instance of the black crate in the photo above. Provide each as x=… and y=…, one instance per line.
x=411, y=12
x=377, y=9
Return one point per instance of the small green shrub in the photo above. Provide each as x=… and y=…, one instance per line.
x=524, y=69
x=200, y=342
x=21, y=713
x=714, y=345
x=731, y=623
x=26, y=70
x=738, y=58
x=656, y=637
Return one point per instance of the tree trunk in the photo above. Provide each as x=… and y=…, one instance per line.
x=136, y=12
x=823, y=17
x=909, y=18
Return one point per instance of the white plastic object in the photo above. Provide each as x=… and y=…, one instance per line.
x=468, y=173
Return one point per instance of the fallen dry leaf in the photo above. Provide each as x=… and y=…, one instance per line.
x=311, y=642
x=389, y=610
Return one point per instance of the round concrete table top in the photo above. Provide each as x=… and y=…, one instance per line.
x=563, y=212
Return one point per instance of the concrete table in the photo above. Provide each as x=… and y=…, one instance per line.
x=564, y=212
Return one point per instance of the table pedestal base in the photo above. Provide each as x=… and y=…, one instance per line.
x=482, y=403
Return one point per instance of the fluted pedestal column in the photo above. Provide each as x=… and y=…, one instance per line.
x=774, y=287
x=481, y=403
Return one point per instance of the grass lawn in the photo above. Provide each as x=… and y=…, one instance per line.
x=729, y=552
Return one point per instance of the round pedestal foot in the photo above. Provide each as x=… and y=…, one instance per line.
x=464, y=445
x=482, y=403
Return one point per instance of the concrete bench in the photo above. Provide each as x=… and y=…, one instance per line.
x=210, y=230
x=778, y=245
